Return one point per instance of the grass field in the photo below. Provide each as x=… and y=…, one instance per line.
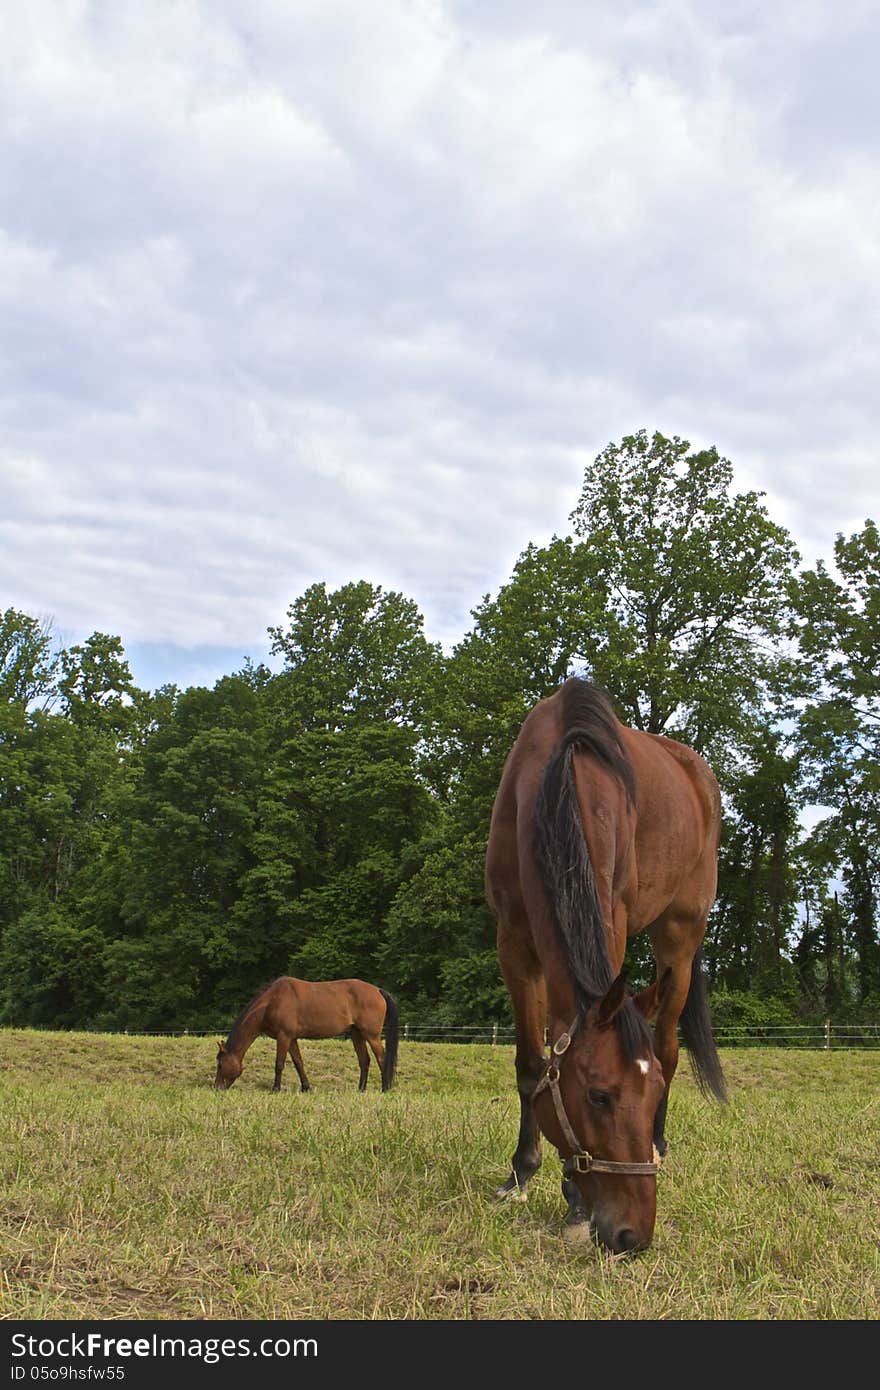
x=130, y=1189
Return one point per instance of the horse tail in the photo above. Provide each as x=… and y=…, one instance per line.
x=392, y=1038
x=696, y=1030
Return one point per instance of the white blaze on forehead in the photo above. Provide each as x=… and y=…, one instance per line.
x=642, y=1065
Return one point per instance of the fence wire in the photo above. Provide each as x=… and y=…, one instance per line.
x=825, y=1036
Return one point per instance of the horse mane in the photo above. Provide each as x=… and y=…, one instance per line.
x=590, y=727
x=233, y=1032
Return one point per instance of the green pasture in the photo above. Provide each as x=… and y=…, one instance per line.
x=130, y=1189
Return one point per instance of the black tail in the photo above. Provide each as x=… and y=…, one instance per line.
x=696, y=1030
x=392, y=1037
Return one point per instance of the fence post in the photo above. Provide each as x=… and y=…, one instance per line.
x=828, y=1035
x=494, y=1034
x=406, y=1030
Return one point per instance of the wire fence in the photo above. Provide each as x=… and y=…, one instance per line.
x=822, y=1036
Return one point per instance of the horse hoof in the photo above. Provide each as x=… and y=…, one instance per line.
x=511, y=1192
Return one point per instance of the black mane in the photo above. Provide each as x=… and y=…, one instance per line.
x=562, y=854
x=591, y=726
x=233, y=1032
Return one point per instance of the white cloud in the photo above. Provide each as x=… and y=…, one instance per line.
x=344, y=290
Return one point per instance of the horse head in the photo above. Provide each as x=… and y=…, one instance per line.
x=229, y=1068
x=597, y=1102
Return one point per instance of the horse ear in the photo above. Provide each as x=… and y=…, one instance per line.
x=613, y=1001
x=221, y=1047
x=648, y=1001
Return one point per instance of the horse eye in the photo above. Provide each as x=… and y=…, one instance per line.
x=599, y=1098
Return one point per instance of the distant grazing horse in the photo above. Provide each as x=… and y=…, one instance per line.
x=599, y=832
x=289, y=1009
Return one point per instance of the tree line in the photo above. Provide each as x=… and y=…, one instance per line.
x=164, y=853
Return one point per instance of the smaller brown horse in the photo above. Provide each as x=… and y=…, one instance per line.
x=289, y=1009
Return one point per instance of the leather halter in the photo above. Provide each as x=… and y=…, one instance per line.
x=581, y=1160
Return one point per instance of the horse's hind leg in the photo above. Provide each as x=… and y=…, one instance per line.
x=280, y=1054
x=363, y=1056
x=296, y=1058
x=528, y=996
x=378, y=1052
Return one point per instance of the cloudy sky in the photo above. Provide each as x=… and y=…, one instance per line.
x=298, y=290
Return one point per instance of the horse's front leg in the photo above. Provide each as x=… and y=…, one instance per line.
x=280, y=1055
x=528, y=996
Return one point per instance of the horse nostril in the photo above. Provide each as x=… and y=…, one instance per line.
x=628, y=1240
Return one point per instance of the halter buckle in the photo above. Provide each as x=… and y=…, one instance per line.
x=580, y=1162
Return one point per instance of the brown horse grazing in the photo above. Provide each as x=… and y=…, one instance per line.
x=289, y=1009
x=598, y=832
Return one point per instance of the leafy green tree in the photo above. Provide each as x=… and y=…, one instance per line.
x=472, y=991
x=749, y=940
x=673, y=600
x=28, y=664
x=523, y=644
x=96, y=684
x=39, y=777
x=439, y=916
x=367, y=806
x=357, y=655
x=63, y=777
x=189, y=842
x=52, y=961
x=695, y=582
x=838, y=626
x=352, y=715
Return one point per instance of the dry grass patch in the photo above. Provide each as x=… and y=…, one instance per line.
x=131, y=1189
